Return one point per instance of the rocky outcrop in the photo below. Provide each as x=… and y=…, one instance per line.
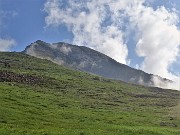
x=6, y=76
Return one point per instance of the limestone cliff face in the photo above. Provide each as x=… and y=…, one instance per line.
x=91, y=61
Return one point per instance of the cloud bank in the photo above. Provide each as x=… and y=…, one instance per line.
x=105, y=26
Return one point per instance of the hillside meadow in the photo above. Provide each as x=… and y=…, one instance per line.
x=38, y=97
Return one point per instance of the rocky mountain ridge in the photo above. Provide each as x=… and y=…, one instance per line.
x=91, y=61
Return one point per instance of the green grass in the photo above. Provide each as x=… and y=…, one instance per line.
x=69, y=102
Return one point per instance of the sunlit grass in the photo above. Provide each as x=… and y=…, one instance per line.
x=76, y=103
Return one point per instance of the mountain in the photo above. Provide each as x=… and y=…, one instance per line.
x=39, y=97
x=91, y=61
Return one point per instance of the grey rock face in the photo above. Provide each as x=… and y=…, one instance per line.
x=91, y=61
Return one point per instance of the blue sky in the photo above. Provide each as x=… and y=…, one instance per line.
x=120, y=36
x=28, y=24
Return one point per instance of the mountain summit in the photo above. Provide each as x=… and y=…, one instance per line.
x=91, y=61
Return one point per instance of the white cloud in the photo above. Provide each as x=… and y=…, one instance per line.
x=103, y=25
x=86, y=20
x=64, y=49
x=158, y=39
x=6, y=44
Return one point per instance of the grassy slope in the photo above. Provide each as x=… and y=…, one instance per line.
x=75, y=103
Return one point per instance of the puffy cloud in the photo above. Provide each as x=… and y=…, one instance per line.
x=158, y=40
x=6, y=44
x=92, y=24
x=104, y=26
